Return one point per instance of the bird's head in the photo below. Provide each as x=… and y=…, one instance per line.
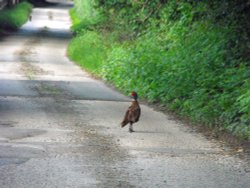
x=134, y=95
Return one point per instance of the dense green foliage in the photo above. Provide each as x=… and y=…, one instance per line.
x=88, y=51
x=15, y=17
x=87, y=48
x=192, y=56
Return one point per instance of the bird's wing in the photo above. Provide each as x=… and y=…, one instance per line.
x=126, y=118
x=137, y=114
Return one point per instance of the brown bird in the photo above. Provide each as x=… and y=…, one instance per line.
x=133, y=113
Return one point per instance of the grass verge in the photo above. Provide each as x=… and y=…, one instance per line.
x=185, y=55
x=13, y=18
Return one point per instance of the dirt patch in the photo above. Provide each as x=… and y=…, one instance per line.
x=47, y=89
x=30, y=70
x=27, y=67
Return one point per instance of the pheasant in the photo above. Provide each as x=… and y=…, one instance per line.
x=133, y=113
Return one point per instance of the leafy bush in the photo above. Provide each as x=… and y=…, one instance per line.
x=192, y=56
x=84, y=16
x=88, y=51
x=15, y=17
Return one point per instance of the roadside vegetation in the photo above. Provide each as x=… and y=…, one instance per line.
x=191, y=56
x=15, y=17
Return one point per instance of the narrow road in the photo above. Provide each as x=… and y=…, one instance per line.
x=60, y=128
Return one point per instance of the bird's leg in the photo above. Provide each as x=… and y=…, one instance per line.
x=131, y=128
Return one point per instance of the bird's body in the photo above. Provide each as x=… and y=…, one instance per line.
x=133, y=113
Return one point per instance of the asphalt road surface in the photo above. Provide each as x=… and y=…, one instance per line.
x=60, y=128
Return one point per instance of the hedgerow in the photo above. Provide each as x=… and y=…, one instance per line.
x=192, y=56
x=15, y=17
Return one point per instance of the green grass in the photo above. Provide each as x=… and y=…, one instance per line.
x=88, y=51
x=15, y=17
x=88, y=47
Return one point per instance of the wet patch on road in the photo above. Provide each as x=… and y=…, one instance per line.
x=17, y=133
x=8, y=161
x=7, y=123
x=48, y=90
x=18, y=154
x=51, y=89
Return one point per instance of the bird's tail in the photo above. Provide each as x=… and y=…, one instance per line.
x=124, y=123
